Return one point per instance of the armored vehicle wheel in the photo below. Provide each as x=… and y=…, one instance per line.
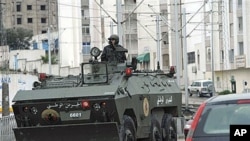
x=155, y=131
x=170, y=132
x=128, y=130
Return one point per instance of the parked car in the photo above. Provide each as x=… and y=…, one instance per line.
x=201, y=88
x=213, y=118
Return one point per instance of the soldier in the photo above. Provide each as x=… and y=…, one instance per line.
x=112, y=52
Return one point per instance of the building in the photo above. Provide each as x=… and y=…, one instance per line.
x=152, y=30
x=217, y=48
x=29, y=14
x=232, y=51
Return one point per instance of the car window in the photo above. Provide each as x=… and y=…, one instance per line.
x=193, y=84
x=198, y=84
x=216, y=119
x=206, y=83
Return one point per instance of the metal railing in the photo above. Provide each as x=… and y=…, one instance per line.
x=7, y=123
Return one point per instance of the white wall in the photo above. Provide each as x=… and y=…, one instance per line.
x=70, y=31
x=16, y=82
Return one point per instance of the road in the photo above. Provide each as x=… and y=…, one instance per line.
x=193, y=99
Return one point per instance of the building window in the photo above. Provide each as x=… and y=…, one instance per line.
x=29, y=7
x=191, y=57
x=241, y=48
x=29, y=20
x=231, y=55
x=44, y=31
x=198, y=59
x=240, y=22
x=83, y=13
x=165, y=38
x=220, y=31
x=85, y=30
x=230, y=6
x=208, y=54
x=19, y=20
x=222, y=56
x=231, y=29
x=43, y=7
x=85, y=48
x=18, y=7
x=239, y=3
x=43, y=20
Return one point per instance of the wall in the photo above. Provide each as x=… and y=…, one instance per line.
x=16, y=82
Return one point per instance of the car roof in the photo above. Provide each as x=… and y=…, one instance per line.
x=202, y=80
x=228, y=97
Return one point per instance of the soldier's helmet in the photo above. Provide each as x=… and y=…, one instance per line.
x=115, y=37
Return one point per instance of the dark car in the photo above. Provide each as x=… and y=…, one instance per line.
x=213, y=118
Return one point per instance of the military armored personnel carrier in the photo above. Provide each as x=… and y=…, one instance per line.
x=108, y=101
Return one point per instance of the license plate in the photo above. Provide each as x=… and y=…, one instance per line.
x=75, y=115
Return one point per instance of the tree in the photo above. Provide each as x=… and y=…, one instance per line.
x=45, y=59
x=18, y=38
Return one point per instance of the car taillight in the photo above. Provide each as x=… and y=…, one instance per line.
x=128, y=71
x=172, y=70
x=85, y=104
x=195, y=121
x=42, y=76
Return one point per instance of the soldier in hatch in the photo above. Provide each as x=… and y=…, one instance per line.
x=110, y=52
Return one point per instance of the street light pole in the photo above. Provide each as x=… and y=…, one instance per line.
x=119, y=20
x=178, y=67
x=49, y=40
x=2, y=37
x=158, y=41
x=212, y=46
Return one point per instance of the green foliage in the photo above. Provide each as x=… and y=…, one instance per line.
x=45, y=59
x=224, y=92
x=18, y=38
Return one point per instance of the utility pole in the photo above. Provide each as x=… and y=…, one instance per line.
x=5, y=99
x=111, y=28
x=158, y=41
x=184, y=38
x=49, y=39
x=1, y=25
x=211, y=44
x=178, y=66
x=5, y=85
x=119, y=20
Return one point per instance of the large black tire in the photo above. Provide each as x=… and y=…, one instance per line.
x=155, y=130
x=128, y=130
x=170, y=130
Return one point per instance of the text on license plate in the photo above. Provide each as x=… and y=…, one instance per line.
x=76, y=115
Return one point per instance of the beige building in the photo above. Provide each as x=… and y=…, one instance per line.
x=29, y=14
x=221, y=53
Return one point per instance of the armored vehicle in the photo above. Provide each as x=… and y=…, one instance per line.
x=108, y=101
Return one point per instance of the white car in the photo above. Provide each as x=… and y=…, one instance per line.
x=201, y=88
